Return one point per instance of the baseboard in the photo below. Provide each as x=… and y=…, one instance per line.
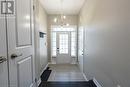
x=38, y=82
x=33, y=85
x=85, y=77
x=44, y=69
x=96, y=82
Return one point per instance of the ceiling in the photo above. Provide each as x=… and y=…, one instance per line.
x=71, y=7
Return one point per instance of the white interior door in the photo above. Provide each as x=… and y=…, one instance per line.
x=3, y=54
x=63, y=48
x=80, y=47
x=20, y=45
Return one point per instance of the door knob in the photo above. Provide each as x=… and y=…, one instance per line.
x=2, y=59
x=13, y=56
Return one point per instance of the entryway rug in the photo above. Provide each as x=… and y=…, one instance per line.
x=45, y=75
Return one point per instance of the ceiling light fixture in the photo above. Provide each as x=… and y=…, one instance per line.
x=61, y=19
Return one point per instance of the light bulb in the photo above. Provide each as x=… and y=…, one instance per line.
x=64, y=17
x=67, y=24
x=55, y=20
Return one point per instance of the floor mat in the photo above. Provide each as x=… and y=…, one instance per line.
x=45, y=75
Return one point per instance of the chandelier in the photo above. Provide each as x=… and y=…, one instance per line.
x=61, y=19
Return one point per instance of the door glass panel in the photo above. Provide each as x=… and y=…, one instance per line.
x=63, y=43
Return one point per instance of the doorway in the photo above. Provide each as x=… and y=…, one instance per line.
x=64, y=44
x=63, y=47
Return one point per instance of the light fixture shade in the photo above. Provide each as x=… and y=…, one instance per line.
x=61, y=19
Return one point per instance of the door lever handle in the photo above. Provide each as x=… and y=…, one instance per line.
x=13, y=56
x=2, y=59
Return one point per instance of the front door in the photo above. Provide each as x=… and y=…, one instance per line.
x=3, y=53
x=63, y=48
x=20, y=45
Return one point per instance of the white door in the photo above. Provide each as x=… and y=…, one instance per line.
x=3, y=54
x=20, y=45
x=63, y=48
x=80, y=47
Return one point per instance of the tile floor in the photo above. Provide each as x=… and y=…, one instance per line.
x=74, y=61
x=65, y=72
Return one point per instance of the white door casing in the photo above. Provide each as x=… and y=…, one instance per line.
x=63, y=48
x=3, y=53
x=81, y=47
x=21, y=45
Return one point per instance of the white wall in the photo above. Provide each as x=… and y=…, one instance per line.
x=71, y=19
x=107, y=43
x=41, y=59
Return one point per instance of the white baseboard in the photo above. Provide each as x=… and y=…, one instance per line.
x=44, y=68
x=33, y=85
x=85, y=77
x=96, y=82
x=39, y=80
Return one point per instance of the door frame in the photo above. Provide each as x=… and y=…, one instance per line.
x=50, y=41
x=79, y=50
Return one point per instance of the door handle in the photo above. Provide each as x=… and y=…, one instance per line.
x=13, y=56
x=57, y=49
x=2, y=59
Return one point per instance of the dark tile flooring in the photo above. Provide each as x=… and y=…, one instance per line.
x=68, y=84
x=45, y=83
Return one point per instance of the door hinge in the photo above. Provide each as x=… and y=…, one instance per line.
x=35, y=80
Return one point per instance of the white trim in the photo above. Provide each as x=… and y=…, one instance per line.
x=96, y=82
x=72, y=26
x=39, y=80
x=44, y=69
x=85, y=77
x=33, y=85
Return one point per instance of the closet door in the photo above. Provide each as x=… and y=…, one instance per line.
x=20, y=45
x=3, y=53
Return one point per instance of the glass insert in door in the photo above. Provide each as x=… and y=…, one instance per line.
x=63, y=43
